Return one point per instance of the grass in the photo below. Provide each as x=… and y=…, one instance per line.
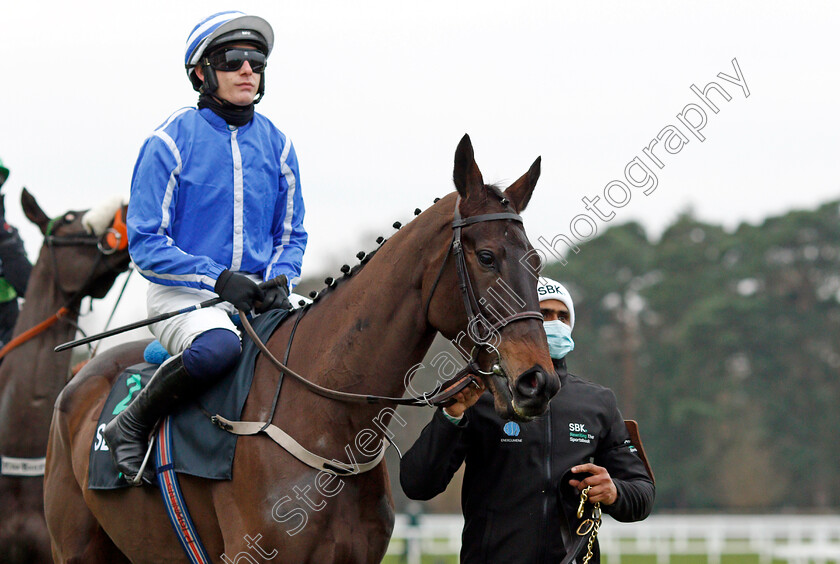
x=628, y=559
x=453, y=559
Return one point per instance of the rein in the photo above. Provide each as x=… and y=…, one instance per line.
x=443, y=393
x=587, y=530
x=34, y=331
x=441, y=396
x=286, y=441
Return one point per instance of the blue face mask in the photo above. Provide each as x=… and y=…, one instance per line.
x=560, y=341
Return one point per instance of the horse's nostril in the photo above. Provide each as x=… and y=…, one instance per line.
x=531, y=384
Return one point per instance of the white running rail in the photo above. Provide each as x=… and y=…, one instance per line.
x=796, y=539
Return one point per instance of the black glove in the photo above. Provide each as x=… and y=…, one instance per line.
x=238, y=289
x=276, y=297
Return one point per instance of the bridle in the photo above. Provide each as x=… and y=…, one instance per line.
x=114, y=239
x=111, y=241
x=443, y=393
x=471, y=304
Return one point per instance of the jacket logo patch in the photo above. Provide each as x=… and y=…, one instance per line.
x=579, y=434
x=512, y=430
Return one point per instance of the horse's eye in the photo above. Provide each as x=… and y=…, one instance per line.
x=486, y=258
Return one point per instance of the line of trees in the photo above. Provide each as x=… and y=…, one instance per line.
x=726, y=348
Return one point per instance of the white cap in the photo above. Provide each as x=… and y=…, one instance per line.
x=548, y=289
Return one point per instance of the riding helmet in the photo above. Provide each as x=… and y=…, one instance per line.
x=221, y=29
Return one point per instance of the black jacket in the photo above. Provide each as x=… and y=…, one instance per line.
x=15, y=268
x=518, y=505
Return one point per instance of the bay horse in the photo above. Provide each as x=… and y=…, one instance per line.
x=72, y=264
x=363, y=335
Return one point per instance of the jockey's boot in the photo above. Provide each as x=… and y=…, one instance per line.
x=127, y=435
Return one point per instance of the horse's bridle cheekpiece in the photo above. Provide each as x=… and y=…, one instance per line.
x=114, y=239
x=471, y=304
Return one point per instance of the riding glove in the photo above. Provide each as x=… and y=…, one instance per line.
x=239, y=290
x=276, y=297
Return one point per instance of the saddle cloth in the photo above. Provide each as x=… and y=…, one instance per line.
x=199, y=447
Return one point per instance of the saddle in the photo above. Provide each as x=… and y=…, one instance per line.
x=200, y=447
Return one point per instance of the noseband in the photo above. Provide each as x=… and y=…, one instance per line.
x=103, y=243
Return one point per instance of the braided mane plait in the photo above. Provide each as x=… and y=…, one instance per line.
x=347, y=271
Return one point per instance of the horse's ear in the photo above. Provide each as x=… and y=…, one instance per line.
x=33, y=211
x=519, y=193
x=466, y=175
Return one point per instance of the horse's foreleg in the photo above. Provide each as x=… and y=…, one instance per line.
x=23, y=533
x=75, y=534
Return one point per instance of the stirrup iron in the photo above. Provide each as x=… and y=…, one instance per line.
x=138, y=479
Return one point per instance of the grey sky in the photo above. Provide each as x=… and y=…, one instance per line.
x=376, y=95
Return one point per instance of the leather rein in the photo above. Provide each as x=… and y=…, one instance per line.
x=443, y=393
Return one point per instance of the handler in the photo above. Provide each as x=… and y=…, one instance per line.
x=15, y=268
x=522, y=480
x=216, y=207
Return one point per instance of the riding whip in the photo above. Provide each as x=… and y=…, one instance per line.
x=137, y=324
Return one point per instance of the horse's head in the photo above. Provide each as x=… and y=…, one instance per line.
x=491, y=305
x=87, y=249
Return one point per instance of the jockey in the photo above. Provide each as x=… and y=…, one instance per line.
x=216, y=207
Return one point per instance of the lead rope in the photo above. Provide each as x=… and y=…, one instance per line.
x=590, y=525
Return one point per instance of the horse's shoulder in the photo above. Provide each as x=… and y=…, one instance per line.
x=99, y=374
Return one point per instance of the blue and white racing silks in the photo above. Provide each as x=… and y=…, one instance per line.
x=205, y=198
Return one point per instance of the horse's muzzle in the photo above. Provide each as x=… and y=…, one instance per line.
x=532, y=390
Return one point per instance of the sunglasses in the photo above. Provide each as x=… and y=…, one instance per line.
x=232, y=60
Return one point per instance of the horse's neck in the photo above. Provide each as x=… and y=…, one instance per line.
x=46, y=300
x=32, y=375
x=383, y=330
x=368, y=332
